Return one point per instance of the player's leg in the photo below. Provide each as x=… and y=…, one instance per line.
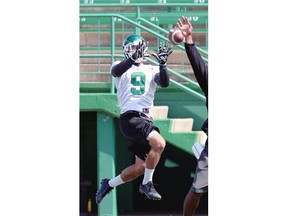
x=199, y=185
x=191, y=203
x=149, y=145
x=128, y=174
x=134, y=171
x=157, y=144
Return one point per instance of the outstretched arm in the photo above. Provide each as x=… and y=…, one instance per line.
x=199, y=67
x=122, y=67
x=162, y=78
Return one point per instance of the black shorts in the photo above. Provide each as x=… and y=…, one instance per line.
x=136, y=126
x=200, y=182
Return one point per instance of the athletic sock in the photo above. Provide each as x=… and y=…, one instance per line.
x=148, y=175
x=114, y=182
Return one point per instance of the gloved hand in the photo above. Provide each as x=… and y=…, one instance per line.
x=163, y=54
x=140, y=51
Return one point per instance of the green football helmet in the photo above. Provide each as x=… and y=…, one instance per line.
x=129, y=46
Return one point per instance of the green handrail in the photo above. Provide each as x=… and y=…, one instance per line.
x=90, y=14
x=181, y=86
x=113, y=55
x=166, y=32
x=87, y=55
x=143, y=4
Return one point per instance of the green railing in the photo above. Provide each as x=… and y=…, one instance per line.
x=153, y=10
x=149, y=22
x=143, y=3
x=114, y=55
x=109, y=21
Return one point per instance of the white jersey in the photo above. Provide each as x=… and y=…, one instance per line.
x=136, y=88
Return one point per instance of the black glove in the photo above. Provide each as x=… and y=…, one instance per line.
x=163, y=54
x=140, y=52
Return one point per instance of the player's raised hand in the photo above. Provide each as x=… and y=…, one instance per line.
x=185, y=26
x=163, y=54
x=140, y=51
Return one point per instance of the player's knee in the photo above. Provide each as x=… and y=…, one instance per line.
x=161, y=145
x=158, y=145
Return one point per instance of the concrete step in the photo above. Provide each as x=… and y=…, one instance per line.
x=105, y=67
x=182, y=140
x=177, y=57
x=160, y=112
x=96, y=77
x=202, y=137
x=181, y=124
x=104, y=39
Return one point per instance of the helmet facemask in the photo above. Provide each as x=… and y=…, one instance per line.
x=130, y=46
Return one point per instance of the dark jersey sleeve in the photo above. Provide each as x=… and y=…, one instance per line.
x=199, y=67
x=162, y=78
x=201, y=73
x=122, y=67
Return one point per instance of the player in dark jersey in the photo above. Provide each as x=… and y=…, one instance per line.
x=200, y=182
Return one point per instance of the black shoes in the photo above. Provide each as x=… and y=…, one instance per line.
x=104, y=189
x=149, y=190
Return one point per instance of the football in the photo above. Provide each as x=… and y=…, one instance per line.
x=175, y=36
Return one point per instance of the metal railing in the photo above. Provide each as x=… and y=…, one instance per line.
x=94, y=3
x=138, y=27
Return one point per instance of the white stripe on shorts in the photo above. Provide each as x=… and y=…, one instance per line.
x=152, y=133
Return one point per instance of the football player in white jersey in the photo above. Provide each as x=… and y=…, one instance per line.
x=136, y=86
